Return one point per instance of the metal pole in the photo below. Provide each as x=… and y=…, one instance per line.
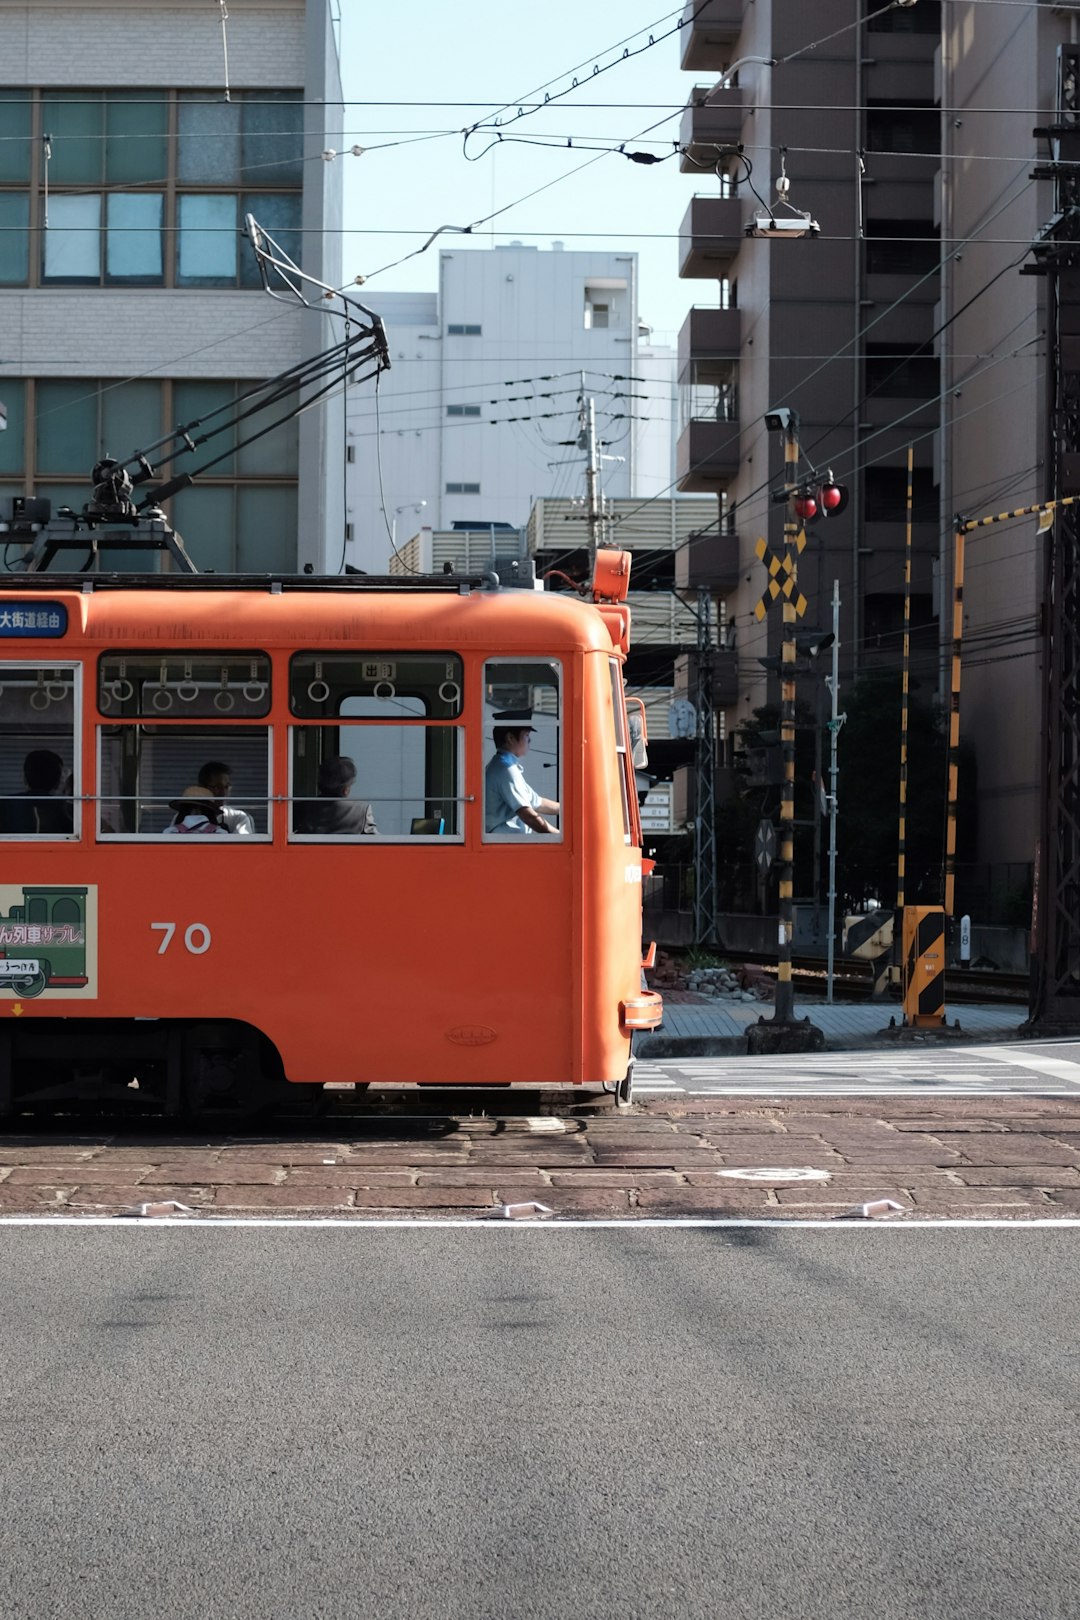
x=591, y=477
x=785, y=994
x=834, y=732
x=705, y=783
x=954, y=715
x=905, y=688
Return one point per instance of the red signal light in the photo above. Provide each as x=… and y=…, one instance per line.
x=805, y=507
x=831, y=496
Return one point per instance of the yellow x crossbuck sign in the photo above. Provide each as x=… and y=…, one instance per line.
x=781, y=577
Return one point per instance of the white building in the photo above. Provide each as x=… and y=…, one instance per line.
x=483, y=392
x=138, y=304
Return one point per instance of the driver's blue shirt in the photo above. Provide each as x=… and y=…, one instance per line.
x=505, y=793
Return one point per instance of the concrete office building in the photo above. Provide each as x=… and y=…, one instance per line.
x=816, y=325
x=128, y=299
x=484, y=383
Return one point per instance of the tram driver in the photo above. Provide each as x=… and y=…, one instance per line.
x=510, y=804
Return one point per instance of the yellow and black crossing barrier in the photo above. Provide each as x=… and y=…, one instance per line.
x=924, y=966
x=870, y=937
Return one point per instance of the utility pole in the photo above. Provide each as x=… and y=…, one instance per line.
x=834, y=732
x=705, y=783
x=1055, y=990
x=587, y=442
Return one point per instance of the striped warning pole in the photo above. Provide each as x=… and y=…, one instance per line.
x=785, y=994
x=905, y=685
x=954, y=714
x=1043, y=510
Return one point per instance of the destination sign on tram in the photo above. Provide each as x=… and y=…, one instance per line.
x=43, y=619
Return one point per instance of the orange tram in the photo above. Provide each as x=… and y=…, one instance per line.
x=396, y=933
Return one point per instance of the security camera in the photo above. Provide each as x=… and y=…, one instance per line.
x=782, y=420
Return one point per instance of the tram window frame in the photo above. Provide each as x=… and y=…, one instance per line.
x=454, y=803
x=622, y=748
x=382, y=665
x=522, y=711
x=215, y=741
x=44, y=667
x=188, y=668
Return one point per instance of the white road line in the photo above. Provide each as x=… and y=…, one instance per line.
x=784, y=1222
x=1062, y=1068
x=843, y=1090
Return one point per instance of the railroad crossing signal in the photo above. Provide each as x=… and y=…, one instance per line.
x=765, y=845
x=781, y=577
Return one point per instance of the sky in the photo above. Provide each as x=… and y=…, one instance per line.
x=488, y=57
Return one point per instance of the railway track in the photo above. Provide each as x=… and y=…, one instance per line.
x=853, y=981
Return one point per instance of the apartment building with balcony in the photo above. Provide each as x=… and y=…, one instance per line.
x=839, y=328
x=129, y=297
x=999, y=82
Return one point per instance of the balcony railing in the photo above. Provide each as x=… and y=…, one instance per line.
x=709, y=36
x=712, y=120
x=708, y=562
x=706, y=456
x=710, y=236
x=709, y=335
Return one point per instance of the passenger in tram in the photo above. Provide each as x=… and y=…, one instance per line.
x=217, y=776
x=333, y=813
x=198, y=813
x=43, y=806
x=510, y=804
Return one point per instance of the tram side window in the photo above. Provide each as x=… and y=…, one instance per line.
x=148, y=762
x=523, y=748
x=385, y=760
x=40, y=776
x=145, y=771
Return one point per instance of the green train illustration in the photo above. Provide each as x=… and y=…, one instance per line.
x=43, y=941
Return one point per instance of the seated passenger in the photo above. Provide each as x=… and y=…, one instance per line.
x=198, y=812
x=42, y=806
x=217, y=776
x=333, y=813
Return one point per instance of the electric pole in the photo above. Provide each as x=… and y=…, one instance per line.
x=705, y=783
x=587, y=442
x=1055, y=990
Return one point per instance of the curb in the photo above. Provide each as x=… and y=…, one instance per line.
x=655, y=1048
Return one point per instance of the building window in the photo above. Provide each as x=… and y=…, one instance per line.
x=227, y=159
x=925, y=18
x=902, y=370
x=241, y=515
x=463, y=410
x=463, y=331
x=915, y=127
x=901, y=247
x=463, y=489
x=885, y=495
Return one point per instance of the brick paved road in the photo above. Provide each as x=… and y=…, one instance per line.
x=1016, y=1156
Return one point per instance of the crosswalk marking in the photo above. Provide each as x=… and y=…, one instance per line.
x=986, y=1071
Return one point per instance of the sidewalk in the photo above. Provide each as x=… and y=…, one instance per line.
x=703, y=1027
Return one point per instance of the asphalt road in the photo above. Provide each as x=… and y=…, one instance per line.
x=879, y=1423
x=1050, y=1068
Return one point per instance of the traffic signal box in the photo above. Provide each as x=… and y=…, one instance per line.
x=924, y=966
